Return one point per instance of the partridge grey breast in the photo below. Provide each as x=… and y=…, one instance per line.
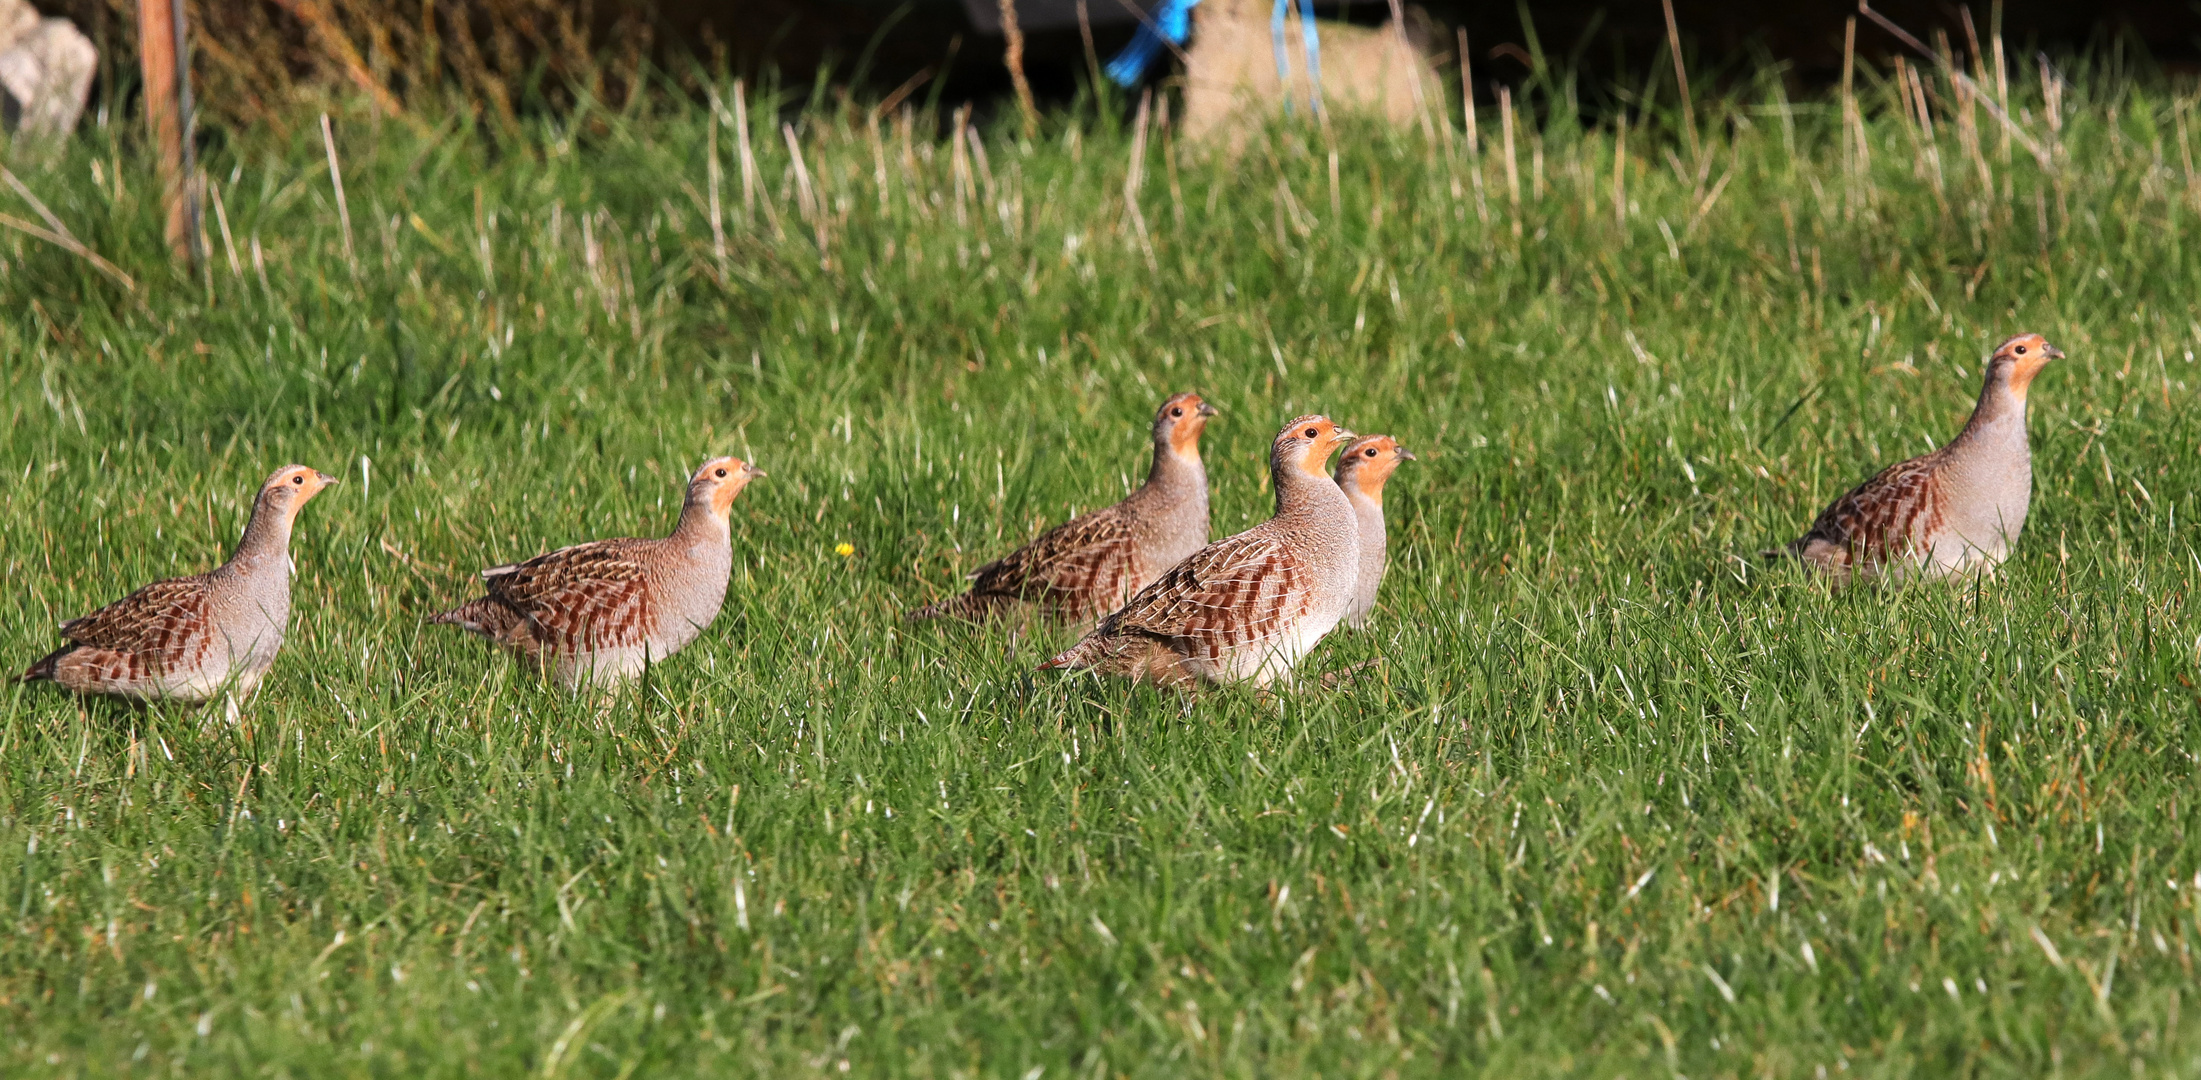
x=1092, y=563
x=190, y=639
x=1247, y=607
x=1362, y=472
x=598, y=613
x=1954, y=511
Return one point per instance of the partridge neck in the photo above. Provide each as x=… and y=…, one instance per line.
x=1175, y=472
x=1998, y=420
x=267, y=537
x=1361, y=495
x=699, y=522
x=1300, y=493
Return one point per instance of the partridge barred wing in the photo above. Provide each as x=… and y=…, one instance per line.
x=1879, y=521
x=1075, y=570
x=161, y=628
x=1072, y=569
x=577, y=599
x=1244, y=593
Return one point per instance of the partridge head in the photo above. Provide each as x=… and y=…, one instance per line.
x=717, y=482
x=1362, y=473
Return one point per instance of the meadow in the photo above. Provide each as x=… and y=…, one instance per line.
x=1620, y=799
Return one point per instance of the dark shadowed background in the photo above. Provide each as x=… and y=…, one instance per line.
x=879, y=44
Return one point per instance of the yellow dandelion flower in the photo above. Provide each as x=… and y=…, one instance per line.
x=844, y=549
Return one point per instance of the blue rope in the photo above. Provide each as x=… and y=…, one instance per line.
x=1171, y=23
x=1311, y=42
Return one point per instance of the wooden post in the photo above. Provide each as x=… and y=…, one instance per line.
x=159, y=30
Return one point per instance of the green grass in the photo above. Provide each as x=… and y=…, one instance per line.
x=1620, y=801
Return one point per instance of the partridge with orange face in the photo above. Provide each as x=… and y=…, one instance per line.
x=1361, y=474
x=1091, y=564
x=1248, y=607
x=190, y=639
x=1954, y=511
x=596, y=614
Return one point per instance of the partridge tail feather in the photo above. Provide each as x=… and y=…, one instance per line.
x=45, y=669
x=484, y=616
x=1085, y=654
x=1794, y=549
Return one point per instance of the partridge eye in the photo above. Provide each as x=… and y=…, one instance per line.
x=1312, y=433
x=722, y=474
x=1177, y=412
x=298, y=480
x=1371, y=451
x=2021, y=350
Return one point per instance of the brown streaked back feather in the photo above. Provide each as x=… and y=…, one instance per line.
x=581, y=598
x=1878, y=520
x=1240, y=593
x=163, y=627
x=1074, y=570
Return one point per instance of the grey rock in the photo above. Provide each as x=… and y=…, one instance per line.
x=45, y=72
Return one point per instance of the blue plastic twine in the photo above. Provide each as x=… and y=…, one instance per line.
x=1171, y=23
x=1311, y=42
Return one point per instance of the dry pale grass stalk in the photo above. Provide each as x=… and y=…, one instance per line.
x=336, y=179
x=812, y=207
x=1513, y=168
x=1620, y=177
x=1135, y=177
x=221, y=217
x=1013, y=58
x=1467, y=99
x=711, y=170
x=72, y=246
x=959, y=165
x=1681, y=78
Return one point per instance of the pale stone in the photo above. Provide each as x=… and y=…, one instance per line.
x=45, y=76
x=1231, y=80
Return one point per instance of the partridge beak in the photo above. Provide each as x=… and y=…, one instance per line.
x=2051, y=352
x=751, y=471
x=1343, y=436
x=1407, y=455
x=325, y=478
x=1206, y=409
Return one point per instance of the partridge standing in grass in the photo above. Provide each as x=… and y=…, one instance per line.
x=1247, y=607
x=598, y=613
x=1091, y=564
x=1953, y=511
x=1367, y=465
x=189, y=639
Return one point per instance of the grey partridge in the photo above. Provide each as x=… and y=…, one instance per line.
x=1092, y=563
x=1362, y=472
x=190, y=639
x=1247, y=607
x=1954, y=511
x=596, y=614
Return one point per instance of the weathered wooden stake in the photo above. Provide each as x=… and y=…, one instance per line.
x=160, y=39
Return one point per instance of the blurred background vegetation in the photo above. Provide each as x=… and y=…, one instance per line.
x=253, y=60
